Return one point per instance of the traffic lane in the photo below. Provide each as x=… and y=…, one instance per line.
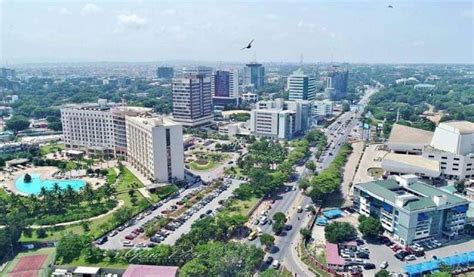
x=212, y=205
x=115, y=242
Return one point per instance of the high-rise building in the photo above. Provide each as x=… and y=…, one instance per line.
x=301, y=86
x=225, y=88
x=97, y=129
x=337, y=80
x=197, y=70
x=165, y=72
x=323, y=108
x=254, y=74
x=155, y=147
x=280, y=119
x=192, y=100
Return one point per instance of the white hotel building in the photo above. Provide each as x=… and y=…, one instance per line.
x=155, y=147
x=97, y=128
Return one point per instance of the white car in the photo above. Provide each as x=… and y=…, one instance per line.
x=127, y=243
x=384, y=265
x=276, y=264
x=410, y=258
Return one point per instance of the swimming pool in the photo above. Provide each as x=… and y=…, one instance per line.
x=34, y=187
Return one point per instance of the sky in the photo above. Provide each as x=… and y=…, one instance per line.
x=321, y=31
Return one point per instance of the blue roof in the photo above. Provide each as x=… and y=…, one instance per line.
x=333, y=213
x=321, y=220
x=416, y=269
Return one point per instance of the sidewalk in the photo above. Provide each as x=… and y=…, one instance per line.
x=350, y=171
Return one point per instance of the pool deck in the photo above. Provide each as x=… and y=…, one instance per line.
x=8, y=179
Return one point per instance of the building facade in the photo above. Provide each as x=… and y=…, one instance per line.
x=451, y=146
x=197, y=70
x=254, y=75
x=165, y=72
x=301, y=86
x=192, y=100
x=337, y=80
x=97, y=129
x=280, y=119
x=155, y=148
x=323, y=108
x=410, y=210
x=225, y=89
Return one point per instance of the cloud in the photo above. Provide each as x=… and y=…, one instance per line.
x=131, y=21
x=271, y=16
x=63, y=11
x=90, y=9
x=302, y=24
x=169, y=11
x=418, y=43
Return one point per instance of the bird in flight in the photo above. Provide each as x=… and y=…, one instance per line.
x=248, y=46
x=390, y=6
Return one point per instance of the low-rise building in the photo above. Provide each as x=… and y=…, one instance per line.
x=411, y=210
x=451, y=145
x=323, y=108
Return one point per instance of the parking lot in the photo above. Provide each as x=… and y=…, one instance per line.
x=131, y=233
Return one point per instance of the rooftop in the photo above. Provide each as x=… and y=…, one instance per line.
x=134, y=270
x=421, y=194
x=408, y=135
x=413, y=160
x=86, y=270
x=332, y=254
x=152, y=121
x=463, y=127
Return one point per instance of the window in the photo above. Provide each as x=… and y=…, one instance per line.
x=455, y=164
x=455, y=169
x=444, y=158
x=456, y=159
x=430, y=156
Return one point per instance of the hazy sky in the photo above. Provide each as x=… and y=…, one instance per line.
x=352, y=31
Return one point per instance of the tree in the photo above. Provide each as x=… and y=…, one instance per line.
x=122, y=215
x=17, y=123
x=193, y=268
x=279, y=217
x=267, y=240
x=278, y=227
x=370, y=227
x=336, y=232
x=306, y=233
x=41, y=233
x=460, y=186
x=70, y=247
x=304, y=183
x=310, y=165
x=27, y=178
x=382, y=273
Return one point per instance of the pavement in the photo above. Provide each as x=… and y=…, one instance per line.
x=372, y=158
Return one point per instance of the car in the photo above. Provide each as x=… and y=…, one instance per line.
x=209, y=212
x=127, y=243
x=256, y=222
x=369, y=266
x=252, y=235
x=276, y=264
x=384, y=265
x=269, y=260
x=113, y=233
x=410, y=258
x=362, y=255
x=141, y=244
x=360, y=242
x=437, y=243
x=130, y=237
x=121, y=228
x=299, y=209
x=101, y=240
x=202, y=215
x=288, y=227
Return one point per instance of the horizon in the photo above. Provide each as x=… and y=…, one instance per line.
x=361, y=32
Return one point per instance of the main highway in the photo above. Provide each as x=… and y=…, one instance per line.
x=287, y=202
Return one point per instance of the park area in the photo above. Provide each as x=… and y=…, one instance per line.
x=205, y=160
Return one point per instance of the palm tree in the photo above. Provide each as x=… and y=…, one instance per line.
x=70, y=195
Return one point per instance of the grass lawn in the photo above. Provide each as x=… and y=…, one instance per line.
x=202, y=167
x=50, y=148
x=111, y=176
x=163, y=192
x=242, y=207
x=50, y=251
x=96, y=226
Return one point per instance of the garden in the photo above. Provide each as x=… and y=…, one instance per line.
x=205, y=160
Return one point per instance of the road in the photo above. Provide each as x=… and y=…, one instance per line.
x=284, y=250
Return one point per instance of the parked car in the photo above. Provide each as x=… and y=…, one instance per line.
x=101, y=240
x=276, y=264
x=127, y=243
x=269, y=260
x=410, y=258
x=369, y=266
x=384, y=265
x=113, y=233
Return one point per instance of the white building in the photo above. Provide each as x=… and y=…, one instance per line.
x=155, y=147
x=451, y=147
x=301, y=86
x=192, y=100
x=197, y=70
x=98, y=128
x=323, y=108
x=280, y=119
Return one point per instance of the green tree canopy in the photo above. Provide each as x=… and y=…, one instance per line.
x=336, y=232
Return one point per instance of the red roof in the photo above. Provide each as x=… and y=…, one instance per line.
x=136, y=270
x=332, y=254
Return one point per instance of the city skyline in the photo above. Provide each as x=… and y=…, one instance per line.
x=144, y=31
